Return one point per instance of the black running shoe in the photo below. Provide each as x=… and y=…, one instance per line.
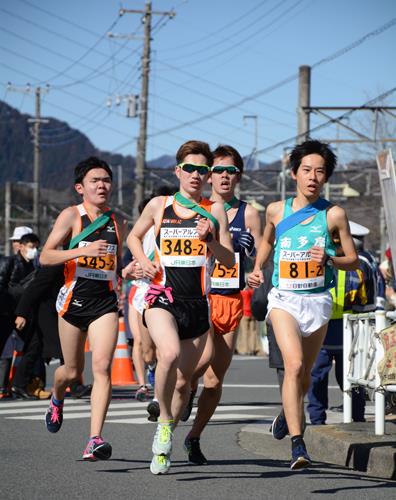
x=54, y=417
x=153, y=409
x=97, y=449
x=279, y=427
x=193, y=448
x=188, y=409
x=300, y=458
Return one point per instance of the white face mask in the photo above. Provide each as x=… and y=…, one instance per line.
x=31, y=253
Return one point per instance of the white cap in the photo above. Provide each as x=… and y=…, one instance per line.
x=20, y=231
x=357, y=229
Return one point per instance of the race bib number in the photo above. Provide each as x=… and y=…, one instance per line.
x=181, y=247
x=97, y=268
x=298, y=272
x=226, y=277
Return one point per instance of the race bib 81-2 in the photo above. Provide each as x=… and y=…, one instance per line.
x=181, y=247
x=298, y=272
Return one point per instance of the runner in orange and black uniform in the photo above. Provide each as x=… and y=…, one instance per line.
x=189, y=230
x=186, y=264
x=88, y=292
x=87, y=303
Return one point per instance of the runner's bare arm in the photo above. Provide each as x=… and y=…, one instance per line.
x=253, y=223
x=122, y=228
x=222, y=247
x=65, y=227
x=338, y=221
x=146, y=220
x=273, y=215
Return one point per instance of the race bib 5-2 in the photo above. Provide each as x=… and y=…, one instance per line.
x=226, y=277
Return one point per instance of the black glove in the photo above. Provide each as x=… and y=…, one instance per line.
x=246, y=241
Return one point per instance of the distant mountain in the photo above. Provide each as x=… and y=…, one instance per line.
x=164, y=161
x=62, y=147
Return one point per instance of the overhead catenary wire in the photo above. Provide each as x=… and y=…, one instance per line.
x=249, y=36
x=295, y=138
x=285, y=81
x=95, y=72
x=219, y=30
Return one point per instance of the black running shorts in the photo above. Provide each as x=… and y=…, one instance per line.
x=82, y=311
x=191, y=315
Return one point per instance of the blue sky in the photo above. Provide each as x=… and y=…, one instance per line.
x=207, y=64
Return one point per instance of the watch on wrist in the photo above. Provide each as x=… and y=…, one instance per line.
x=329, y=261
x=209, y=237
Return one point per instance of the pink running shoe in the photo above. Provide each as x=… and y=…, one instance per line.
x=54, y=417
x=142, y=393
x=97, y=449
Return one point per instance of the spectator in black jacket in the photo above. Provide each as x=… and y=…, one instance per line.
x=14, y=272
x=37, y=320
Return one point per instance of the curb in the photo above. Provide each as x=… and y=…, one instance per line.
x=354, y=446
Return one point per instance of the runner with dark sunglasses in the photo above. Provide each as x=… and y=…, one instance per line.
x=225, y=297
x=190, y=232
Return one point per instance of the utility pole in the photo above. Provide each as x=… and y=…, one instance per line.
x=7, y=218
x=304, y=98
x=142, y=140
x=119, y=188
x=255, y=148
x=36, y=160
x=37, y=121
x=284, y=165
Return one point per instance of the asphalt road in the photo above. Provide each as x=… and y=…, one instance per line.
x=38, y=465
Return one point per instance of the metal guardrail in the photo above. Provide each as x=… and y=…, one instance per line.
x=362, y=353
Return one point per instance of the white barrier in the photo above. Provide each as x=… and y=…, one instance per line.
x=362, y=353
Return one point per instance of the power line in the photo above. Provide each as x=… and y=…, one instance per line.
x=221, y=87
x=219, y=30
x=62, y=89
x=205, y=50
x=283, y=82
x=94, y=71
x=295, y=138
x=81, y=27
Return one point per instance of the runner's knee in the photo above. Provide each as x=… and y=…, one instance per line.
x=169, y=358
x=294, y=368
x=101, y=366
x=72, y=372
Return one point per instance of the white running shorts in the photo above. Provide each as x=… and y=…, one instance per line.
x=311, y=311
x=138, y=299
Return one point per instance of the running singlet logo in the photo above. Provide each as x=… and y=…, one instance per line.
x=224, y=277
x=97, y=268
x=298, y=272
x=181, y=247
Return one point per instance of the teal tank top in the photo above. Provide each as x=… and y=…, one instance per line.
x=294, y=270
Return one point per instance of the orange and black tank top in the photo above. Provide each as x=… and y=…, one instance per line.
x=186, y=262
x=94, y=276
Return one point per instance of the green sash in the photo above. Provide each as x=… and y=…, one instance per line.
x=229, y=204
x=184, y=202
x=99, y=222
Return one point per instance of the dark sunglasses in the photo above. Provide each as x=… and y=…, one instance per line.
x=230, y=169
x=191, y=167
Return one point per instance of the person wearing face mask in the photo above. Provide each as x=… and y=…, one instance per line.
x=15, y=239
x=15, y=272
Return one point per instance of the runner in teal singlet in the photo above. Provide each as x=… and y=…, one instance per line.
x=299, y=304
